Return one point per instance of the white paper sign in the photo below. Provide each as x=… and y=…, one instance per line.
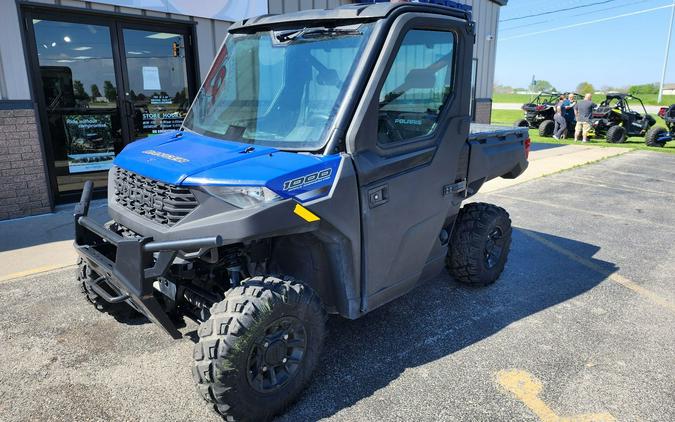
x=151, y=78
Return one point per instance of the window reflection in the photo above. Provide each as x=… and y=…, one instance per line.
x=78, y=79
x=157, y=80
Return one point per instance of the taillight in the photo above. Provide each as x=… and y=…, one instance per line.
x=540, y=108
x=528, y=143
x=662, y=112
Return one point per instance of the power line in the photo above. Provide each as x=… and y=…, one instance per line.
x=550, y=12
x=560, y=28
x=633, y=3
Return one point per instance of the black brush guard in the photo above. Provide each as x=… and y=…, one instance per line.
x=138, y=263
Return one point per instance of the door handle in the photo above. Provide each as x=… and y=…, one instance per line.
x=378, y=195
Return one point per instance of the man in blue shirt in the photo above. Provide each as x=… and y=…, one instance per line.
x=568, y=110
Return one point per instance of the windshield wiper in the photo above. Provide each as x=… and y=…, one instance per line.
x=315, y=33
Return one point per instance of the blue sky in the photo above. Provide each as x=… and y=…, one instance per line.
x=618, y=52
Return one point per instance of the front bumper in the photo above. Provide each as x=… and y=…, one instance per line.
x=137, y=262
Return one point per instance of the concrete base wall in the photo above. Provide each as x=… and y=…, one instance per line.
x=483, y=110
x=23, y=182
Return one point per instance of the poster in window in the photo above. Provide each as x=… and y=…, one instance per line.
x=90, y=146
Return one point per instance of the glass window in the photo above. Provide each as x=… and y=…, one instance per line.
x=418, y=84
x=78, y=79
x=158, y=84
x=278, y=88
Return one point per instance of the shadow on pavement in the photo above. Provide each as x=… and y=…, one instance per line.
x=439, y=318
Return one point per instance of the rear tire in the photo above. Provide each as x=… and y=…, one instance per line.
x=616, y=135
x=521, y=123
x=546, y=128
x=120, y=311
x=258, y=349
x=480, y=244
x=652, y=136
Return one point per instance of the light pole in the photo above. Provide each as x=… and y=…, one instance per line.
x=665, y=60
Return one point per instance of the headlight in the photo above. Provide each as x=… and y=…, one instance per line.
x=243, y=196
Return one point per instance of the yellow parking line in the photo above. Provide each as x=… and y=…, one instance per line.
x=615, y=277
x=33, y=271
x=526, y=388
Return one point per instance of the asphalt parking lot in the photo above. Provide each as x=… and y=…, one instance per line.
x=580, y=325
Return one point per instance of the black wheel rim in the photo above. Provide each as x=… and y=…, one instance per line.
x=494, y=247
x=277, y=355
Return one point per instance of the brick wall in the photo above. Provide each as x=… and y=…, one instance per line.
x=23, y=183
x=483, y=110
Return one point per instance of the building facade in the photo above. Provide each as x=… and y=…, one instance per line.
x=81, y=79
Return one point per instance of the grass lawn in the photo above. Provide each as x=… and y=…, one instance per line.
x=649, y=99
x=507, y=117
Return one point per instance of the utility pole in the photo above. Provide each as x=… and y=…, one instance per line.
x=665, y=60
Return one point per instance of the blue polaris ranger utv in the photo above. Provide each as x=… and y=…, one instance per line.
x=320, y=170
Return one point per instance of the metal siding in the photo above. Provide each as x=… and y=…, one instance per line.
x=101, y=6
x=130, y=11
x=275, y=6
x=14, y=72
x=220, y=32
x=205, y=45
x=494, y=19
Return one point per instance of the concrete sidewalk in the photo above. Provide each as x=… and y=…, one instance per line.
x=546, y=159
x=44, y=243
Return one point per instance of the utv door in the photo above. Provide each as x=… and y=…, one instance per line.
x=406, y=138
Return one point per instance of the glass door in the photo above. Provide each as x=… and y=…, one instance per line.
x=79, y=86
x=102, y=81
x=156, y=80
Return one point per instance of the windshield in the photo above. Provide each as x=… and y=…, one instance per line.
x=278, y=88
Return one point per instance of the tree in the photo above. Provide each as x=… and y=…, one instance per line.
x=644, y=89
x=542, y=85
x=180, y=97
x=109, y=91
x=585, y=88
x=95, y=92
x=79, y=92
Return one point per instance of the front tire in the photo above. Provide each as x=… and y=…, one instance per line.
x=616, y=135
x=652, y=136
x=546, y=128
x=480, y=244
x=258, y=349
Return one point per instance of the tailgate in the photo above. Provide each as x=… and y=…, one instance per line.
x=496, y=151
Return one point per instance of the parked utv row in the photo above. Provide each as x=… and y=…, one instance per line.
x=616, y=120
x=539, y=113
x=658, y=136
x=618, y=117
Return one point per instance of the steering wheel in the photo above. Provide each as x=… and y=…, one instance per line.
x=387, y=125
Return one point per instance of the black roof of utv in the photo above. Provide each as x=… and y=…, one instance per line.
x=343, y=15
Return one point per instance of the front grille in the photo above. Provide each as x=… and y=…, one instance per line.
x=157, y=201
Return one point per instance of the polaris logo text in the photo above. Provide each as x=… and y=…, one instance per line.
x=165, y=156
x=309, y=179
x=408, y=122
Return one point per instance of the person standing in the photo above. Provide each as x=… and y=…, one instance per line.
x=583, y=111
x=568, y=110
x=560, y=124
